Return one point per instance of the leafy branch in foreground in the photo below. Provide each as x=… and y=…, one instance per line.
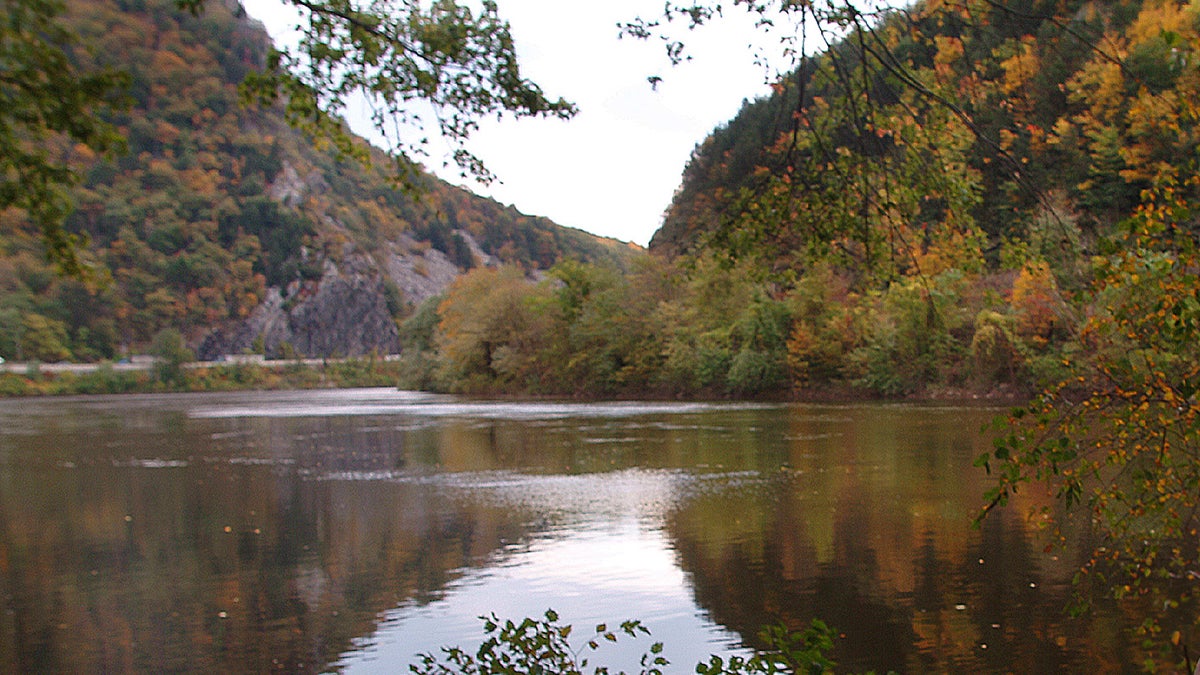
x=407, y=60
x=1121, y=438
x=43, y=96
x=786, y=652
x=542, y=646
x=535, y=646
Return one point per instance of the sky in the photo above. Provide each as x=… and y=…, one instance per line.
x=612, y=169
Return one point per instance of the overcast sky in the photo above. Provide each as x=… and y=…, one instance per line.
x=613, y=168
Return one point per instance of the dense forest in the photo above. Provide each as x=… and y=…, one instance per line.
x=951, y=199
x=212, y=203
x=932, y=224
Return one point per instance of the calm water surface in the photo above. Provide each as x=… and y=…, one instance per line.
x=349, y=530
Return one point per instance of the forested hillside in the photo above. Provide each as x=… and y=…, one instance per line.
x=921, y=211
x=217, y=209
x=1030, y=108
x=953, y=200
x=929, y=200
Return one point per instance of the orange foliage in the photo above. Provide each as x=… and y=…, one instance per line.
x=1036, y=303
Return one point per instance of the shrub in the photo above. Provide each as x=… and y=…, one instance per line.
x=534, y=646
x=170, y=356
x=12, y=384
x=994, y=354
x=543, y=646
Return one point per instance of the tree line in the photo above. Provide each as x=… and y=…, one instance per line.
x=947, y=198
x=956, y=195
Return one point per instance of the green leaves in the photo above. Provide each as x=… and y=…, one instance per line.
x=411, y=62
x=534, y=646
x=45, y=99
x=786, y=652
x=540, y=646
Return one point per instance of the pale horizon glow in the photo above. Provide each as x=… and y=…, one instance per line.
x=613, y=169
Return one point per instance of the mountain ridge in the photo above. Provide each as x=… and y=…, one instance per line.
x=219, y=213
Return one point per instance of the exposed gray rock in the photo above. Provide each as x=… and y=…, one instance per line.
x=344, y=314
x=482, y=258
x=289, y=188
x=418, y=271
x=348, y=315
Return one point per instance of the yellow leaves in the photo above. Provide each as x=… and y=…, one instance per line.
x=1157, y=17
x=1154, y=115
x=949, y=49
x=1100, y=86
x=1020, y=68
x=1064, y=132
x=1007, y=138
x=955, y=245
x=1137, y=100
x=1036, y=302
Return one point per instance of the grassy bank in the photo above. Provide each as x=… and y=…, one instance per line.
x=365, y=372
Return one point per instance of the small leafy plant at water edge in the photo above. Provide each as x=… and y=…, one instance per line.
x=786, y=652
x=535, y=646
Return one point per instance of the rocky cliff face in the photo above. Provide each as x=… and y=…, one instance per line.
x=344, y=314
x=421, y=272
x=347, y=312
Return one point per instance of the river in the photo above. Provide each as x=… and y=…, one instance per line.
x=349, y=530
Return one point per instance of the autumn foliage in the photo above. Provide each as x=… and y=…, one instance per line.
x=957, y=199
x=214, y=202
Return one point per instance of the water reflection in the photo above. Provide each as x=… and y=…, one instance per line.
x=347, y=530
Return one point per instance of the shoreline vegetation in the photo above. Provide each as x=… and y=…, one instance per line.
x=143, y=375
x=157, y=376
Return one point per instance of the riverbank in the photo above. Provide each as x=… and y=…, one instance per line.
x=248, y=374
x=141, y=376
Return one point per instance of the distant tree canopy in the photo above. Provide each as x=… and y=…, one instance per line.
x=459, y=62
x=900, y=129
x=212, y=203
